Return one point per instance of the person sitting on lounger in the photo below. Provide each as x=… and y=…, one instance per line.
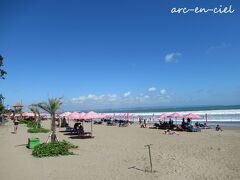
x=179, y=128
x=184, y=124
x=76, y=125
x=197, y=124
x=80, y=129
x=188, y=121
x=64, y=123
x=206, y=126
x=160, y=122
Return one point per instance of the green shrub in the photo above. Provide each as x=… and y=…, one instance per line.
x=38, y=130
x=33, y=125
x=60, y=148
x=23, y=121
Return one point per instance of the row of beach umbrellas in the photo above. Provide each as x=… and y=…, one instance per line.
x=178, y=115
x=94, y=115
x=30, y=114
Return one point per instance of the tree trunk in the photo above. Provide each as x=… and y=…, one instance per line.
x=35, y=117
x=53, y=128
x=39, y=121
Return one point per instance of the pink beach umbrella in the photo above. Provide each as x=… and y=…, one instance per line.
x=164, y=115
x=126, y=115
x=131, y=115
x=25, y=114
x=192, y=116
x=28, y=114
x=108, y=116
x=90, y=115
x=100, y=116
x=65, y=114
x=176, y=115
x=74, y=115
x=44, y=114
x=120, y=115
x=81, y=115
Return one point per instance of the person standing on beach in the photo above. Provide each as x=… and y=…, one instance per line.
x=15, y=122
x=140, y=121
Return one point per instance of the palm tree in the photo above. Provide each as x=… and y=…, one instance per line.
x=35, y=109
x=51, y=107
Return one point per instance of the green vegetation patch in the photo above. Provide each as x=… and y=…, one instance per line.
x=60, y=148
x=23, y=121
x=33, y=125
x=38, y=130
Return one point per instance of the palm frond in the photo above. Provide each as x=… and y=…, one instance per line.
x=34, y=108
x=52, y=106
x=45, y=107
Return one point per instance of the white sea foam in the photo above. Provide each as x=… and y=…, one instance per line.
x=229, y=115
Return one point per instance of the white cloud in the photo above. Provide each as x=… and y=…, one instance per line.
x=164, y=96
x=126, y=94
x=219, y=47
x=142, y=99
x=146, y=97
x=121, y=100
x=152, y=89
x=94, y=98
x=111, y=97
x=163, y=91
x=172, y=57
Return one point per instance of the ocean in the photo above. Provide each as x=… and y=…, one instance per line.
x=222, y=115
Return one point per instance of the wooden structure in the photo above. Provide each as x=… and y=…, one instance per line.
x=17, y=110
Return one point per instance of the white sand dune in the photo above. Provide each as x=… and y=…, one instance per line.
x=119, y=153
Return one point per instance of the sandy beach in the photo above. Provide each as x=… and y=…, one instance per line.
x=119, y=153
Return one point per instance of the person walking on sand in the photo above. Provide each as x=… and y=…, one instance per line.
x=144, y=123
x=15, y=122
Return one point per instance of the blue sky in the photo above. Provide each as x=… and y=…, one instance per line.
x=110, y=54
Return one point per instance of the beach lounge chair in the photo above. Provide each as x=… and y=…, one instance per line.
x=155, y=126
x=123, y=124
x=71, y=131
x=82, y=135
x=111, y=124
x=97, y=122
